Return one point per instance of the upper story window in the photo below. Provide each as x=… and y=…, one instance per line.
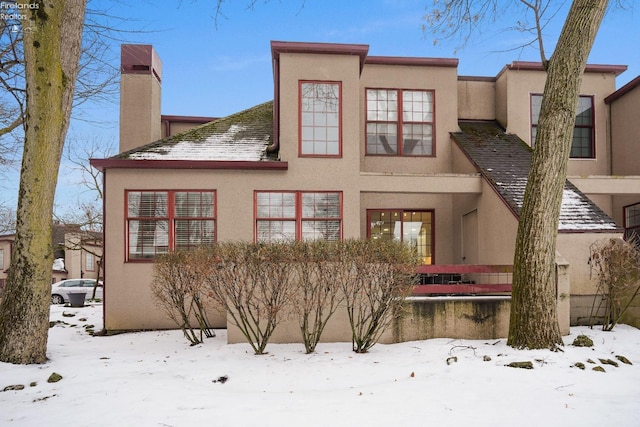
x=583, y=145
x=400, y=122
x=320, y=124
x=632, y=223
x=158, y=221
x=298, y=215
x=1, y=259
x=414, y=228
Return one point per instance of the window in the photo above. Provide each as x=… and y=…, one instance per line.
x=298, y=215
x=320, y=105
x=632, y=223
x=412, y=227
x=392, y=132
x=90, y=262
x=1, y=259
x=583, y=146
x=73, y=283
x=158, y=221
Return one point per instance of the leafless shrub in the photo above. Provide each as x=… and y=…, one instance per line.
x=617, y=265
x=253, y=283
x=375, y=277
x=317, y=293
x=178, y=289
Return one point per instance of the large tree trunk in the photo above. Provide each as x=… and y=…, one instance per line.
x=534, y=322
x=51, y=51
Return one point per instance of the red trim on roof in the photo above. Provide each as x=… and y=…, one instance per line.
x=590, y=68
x=188, y=119
x=623, y=90
x=408, y=60
x=361, y=50
x=476, y=79
x=102, y=164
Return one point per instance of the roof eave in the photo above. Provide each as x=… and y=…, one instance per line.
x=623, y=90
x=412, y=61
x=361, y=50
x=111, y=163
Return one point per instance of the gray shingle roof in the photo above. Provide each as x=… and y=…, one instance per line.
x=504, y=159
x=243, y=136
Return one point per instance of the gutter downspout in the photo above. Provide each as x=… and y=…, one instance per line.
x=275, y=145
x=104, y=252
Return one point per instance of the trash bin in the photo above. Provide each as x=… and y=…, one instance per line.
x=76, y=299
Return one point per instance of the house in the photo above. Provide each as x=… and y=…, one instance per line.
x=76, y=253
x=332, y=157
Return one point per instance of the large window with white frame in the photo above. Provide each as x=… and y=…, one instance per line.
x=400, y=122
x=298, y=215
x=583, y=145
x=159, y=221
x=413, y=227
x=320, y=119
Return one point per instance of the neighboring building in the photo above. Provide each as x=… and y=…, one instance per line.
x=76, y=254
x=359, y=146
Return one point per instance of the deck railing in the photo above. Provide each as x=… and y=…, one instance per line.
x=464, y=279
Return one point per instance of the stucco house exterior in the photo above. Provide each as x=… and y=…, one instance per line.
x=77, y=253
x=360, y=146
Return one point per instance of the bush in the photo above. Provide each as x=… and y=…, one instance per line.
x=376, y=276
x=617, y=265
x=177, y=287
x=253, y=282
x=317, y=292
x=257, y=285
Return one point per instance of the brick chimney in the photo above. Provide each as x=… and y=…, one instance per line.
x=140, y=89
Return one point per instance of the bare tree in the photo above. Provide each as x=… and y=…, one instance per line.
x=534, y=322
x=178, y=289
x=617, y=266
x=375, y=276
x=7, y=219
x=317, y=294
x=51, y=54
x=253, y=284
x=86, y=215
x=97, y=76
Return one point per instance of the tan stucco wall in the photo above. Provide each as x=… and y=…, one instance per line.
x=476, y=98
x=440, y=203
x=139, y=110
x=575, y=248
x=446, y=183
x=632, y=315
x=339, y=68
x=625, y=132
x=5, y=245
x=75, y=258
x=497, y=228
x=618, y=204
x=420, y=319
x=513, y=106
x=235, y=193
x=443, y=80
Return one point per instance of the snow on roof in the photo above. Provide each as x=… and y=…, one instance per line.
x=504, y=161
x=220, y=146
x=58, y=264
x=243, y=136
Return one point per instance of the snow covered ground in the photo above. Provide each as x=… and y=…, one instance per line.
x=157, y=379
